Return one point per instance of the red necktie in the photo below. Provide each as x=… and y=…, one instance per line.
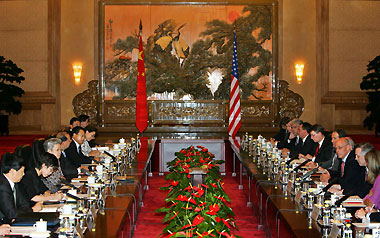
x=342, y=169
x=316, y=151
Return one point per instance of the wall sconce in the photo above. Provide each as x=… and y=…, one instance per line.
x=299, y=72
x=77, y=72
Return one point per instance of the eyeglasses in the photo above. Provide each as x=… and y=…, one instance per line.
x=341, y=147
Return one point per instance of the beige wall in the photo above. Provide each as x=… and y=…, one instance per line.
x=354, y=29
x=298, y=36
x=77, y=45
x=24, y=40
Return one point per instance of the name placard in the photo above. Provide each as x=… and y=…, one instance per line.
x=315, y=213
x=298, y=197
x=289, y=187
x=334, y=231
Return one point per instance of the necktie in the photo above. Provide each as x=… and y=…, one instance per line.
x=342, y=169
x=14, y=195
x=316, y=151
x=301, y=143
x=79, y=149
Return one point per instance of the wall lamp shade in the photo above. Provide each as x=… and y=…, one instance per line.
x=299, y=72
x=77, y=72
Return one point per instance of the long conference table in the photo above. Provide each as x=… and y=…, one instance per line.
x=277, y=214
x=123, y=202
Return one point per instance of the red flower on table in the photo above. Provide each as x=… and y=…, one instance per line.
x=221, y=198
x=186, y=226
x=192, y=201
x=202, y=204
x=207, y=234
x=226, y=234
x=182, y=198
x=218, y=219
x=175, y=214
x=203, y=185
x=197, y=220
x=226, y=223
x=198, y=209
x=213, y=209
x=177, y=163
x=200, y=191
x=175, y=183
x=187, y=208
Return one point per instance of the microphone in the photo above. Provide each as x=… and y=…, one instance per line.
x=65, y=182
x=308, y=174
x=302, y=164
x=289, y=161
x=94, y=160
x=113, y=157
x=88, y=173
x=340, y=201
x=332, y=182
x=73, y=196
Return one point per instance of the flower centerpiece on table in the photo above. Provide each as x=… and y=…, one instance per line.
x=196, y=211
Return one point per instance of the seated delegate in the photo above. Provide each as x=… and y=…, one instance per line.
x=372, y=200
x=12, y=199
x=33, y=187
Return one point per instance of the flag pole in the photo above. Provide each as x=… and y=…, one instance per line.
x=234, y=120
x=141, y=97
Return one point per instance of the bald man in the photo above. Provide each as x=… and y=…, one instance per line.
x=350, y=175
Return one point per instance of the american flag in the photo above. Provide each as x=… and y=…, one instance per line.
x=234, y=115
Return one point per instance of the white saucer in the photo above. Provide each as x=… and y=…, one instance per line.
x=40, y=234
x=72, y=215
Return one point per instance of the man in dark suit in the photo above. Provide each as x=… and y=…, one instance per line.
x=69, y=170
x=284, y=142
x=323, y=149
x=283, y=133
x=351, y=176
x=74, y=152
x=360, y=152
x=293, y=140
x=12, y=200
x=306, y=145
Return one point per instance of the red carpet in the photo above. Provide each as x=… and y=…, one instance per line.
x=149, y=223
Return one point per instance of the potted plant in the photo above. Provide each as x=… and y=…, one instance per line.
x=9, y=92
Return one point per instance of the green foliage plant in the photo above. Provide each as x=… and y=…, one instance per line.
x=9, y=92
x=371, y=84
x=196, y=211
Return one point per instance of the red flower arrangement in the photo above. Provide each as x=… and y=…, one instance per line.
x=196, y=211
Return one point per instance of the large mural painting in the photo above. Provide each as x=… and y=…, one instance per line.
x=188, y=51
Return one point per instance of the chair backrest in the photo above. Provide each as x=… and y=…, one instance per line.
x=26, y=153
x=2, y=157
x=38, y=148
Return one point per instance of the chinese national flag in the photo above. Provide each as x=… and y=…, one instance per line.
x=141, y=102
